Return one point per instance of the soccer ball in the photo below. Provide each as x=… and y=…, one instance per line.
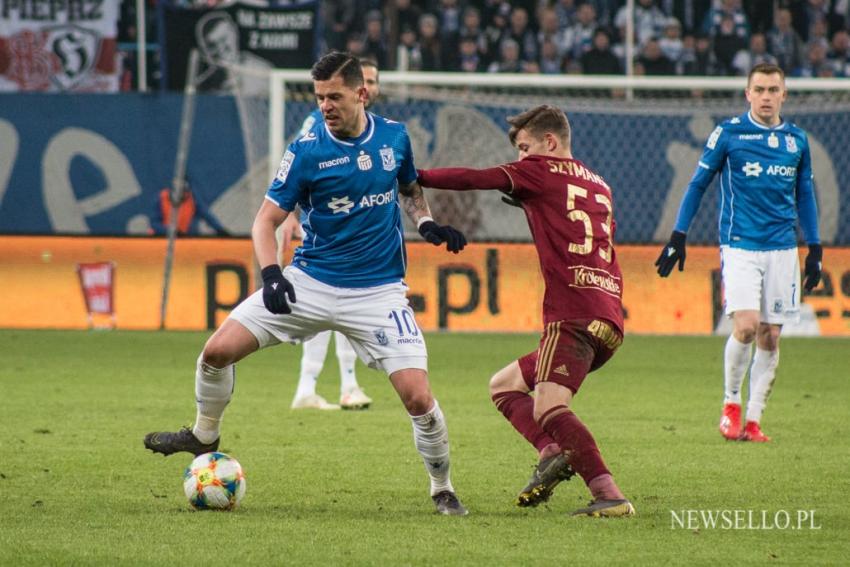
x=214, y=481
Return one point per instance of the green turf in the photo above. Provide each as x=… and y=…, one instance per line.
x=340, y=488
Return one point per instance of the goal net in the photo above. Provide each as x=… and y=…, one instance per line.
x=644, y=135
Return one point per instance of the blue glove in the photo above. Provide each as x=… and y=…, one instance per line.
x=814, y=266
x=674, y=251
x=436, y=235
x=276, y=288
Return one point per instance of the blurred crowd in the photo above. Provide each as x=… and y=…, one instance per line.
x=807, y=38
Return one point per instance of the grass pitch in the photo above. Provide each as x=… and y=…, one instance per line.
x=348, y=488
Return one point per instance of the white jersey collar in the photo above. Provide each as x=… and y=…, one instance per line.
x=370, y=132
x=780, y=126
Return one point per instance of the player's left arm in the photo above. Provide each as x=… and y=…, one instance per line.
x=413, y=202
x=807, y=210
x=416, y=206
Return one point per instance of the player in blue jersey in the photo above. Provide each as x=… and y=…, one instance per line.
x=765, y=187
x=352, y=176
x=351, y=395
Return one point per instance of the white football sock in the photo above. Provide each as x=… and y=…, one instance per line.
x=762, y=376
x=736, y=359
x=431, y=438
x=213, y=389
x=347, y=357
x=312, y=360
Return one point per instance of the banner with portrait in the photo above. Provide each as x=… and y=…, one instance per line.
x=59, y=46
x=237, y=34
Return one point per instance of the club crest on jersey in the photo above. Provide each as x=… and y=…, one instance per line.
x=381, y=337
x=773, y=140
x=387, y=159
x=364, y=162
x=791, y=143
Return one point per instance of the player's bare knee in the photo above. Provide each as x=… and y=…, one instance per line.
x=216, y=353
x=508, y=379
x=745, y=330
x=768, y=336
x=419, y=403
x=745, y=325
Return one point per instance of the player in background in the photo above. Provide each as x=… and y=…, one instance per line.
x=765, y=184
x=570, y=214
x=353, y=176
x=351, y=395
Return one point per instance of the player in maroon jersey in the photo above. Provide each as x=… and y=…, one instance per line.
x=570, y=214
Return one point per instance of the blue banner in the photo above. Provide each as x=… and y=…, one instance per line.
x=94, y=164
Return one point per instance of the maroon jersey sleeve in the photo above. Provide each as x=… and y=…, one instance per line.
x=527, y=176
x=462, y=178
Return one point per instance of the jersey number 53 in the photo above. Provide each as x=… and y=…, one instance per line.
x=577, y=214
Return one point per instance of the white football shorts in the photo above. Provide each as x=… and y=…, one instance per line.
x=767, y=281
x=377, y=320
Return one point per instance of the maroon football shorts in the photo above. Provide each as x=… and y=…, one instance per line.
x=569, y=350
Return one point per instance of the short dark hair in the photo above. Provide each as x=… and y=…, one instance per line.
x=541, y=120
x=366, y=62
x=766, y=69
x=336, y=63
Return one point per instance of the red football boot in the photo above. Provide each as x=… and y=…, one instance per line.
x=752, y=432
x=730, y=422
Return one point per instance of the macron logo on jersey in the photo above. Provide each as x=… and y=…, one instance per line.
x=340, y=204
x=334, y=162
x=752, y=169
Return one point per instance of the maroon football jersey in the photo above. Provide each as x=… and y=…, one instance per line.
x=570, y=213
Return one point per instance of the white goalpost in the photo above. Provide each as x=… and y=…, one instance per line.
x=644, y=133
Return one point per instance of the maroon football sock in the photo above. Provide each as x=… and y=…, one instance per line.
x=518, y=408
x=574, y=438
x=603, y=487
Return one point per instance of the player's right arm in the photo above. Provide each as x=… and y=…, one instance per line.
x=290, y=230
x=281, y=198
x=276, y=288
x=709, y=164
x=465, y=179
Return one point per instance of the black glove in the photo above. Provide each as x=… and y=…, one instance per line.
x=674, y=251
x=436, y=235
x=275, y=290
x=814, y=265
x=511, y=201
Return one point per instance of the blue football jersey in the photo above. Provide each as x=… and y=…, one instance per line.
x=348, y=190
x=765, y=183
x=309, y=123
x=312, y=119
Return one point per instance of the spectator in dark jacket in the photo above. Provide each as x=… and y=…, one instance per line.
x=600, y=60
x=652, y=60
